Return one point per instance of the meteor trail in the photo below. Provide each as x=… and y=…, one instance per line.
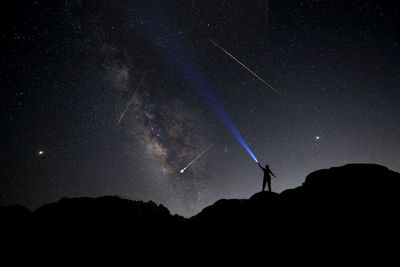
x=193, y=161
x=130, y=100
x=244, y=66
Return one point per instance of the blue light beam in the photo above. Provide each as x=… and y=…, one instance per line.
x=172, y=46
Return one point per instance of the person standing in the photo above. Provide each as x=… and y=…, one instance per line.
x=267, y=176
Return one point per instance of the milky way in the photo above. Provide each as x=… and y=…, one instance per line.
x=77, y=123
x=168, y=131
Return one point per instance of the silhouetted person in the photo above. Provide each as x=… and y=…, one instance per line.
x=267, y=176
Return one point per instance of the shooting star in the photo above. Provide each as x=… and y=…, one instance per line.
x=244, y=66
x=130, y=100
x=193, y=161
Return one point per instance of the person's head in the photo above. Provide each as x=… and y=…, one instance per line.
x=266, y=166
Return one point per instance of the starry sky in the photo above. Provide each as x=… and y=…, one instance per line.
x=102, y=97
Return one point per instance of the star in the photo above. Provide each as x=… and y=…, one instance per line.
x=158, y=86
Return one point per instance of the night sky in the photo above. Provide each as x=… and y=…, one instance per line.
x=70, y=68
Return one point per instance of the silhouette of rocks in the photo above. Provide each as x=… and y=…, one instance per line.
x=104, y=210
x=104, y=218
x=14, y=212
x=355, y=205
x=332, y=204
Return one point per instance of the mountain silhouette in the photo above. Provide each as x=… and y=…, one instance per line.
x=354, y=197
x=353, y=205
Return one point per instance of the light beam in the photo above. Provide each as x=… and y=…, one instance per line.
x=172, y=46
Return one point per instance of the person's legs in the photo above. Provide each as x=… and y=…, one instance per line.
x=269, y=185
x=264, y=182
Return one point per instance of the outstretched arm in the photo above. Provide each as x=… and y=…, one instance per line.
x=260, y=166
x=272, y=173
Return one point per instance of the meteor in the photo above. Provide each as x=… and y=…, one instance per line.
x=193, y=161
x=130, y=100
x=244, y=66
